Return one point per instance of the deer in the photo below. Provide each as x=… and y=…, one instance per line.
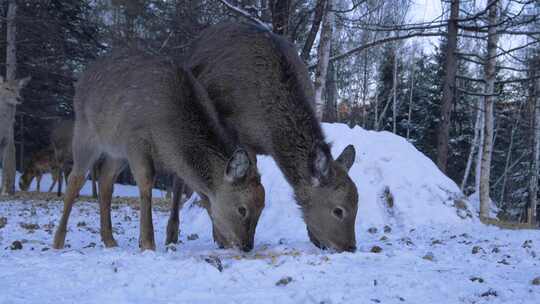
x=56, y=158
x=264, y=97
x=41, y=162
x=10, y=97
x=153, y=115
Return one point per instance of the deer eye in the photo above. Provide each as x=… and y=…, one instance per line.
x=339, y=213
x=242, y=211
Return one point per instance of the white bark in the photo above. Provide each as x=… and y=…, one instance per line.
x=8, y=161
x=409, y=116
x=508, y=159
x=479, y=145
x=489, y=99
x=323, y=54
x=394, y=93
x=535, y=166
x=474, y=145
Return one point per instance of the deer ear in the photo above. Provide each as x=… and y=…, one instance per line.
x=320, y=166
x=237, y=166
x=346, y=158
x=23, y=82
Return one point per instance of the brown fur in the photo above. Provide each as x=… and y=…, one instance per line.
x=263, y=95
x=56, y=159
x=155, y=116
x=40, y=163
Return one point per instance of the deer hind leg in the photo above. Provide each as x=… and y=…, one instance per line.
x=143, y=171
x=54, y=179
x=94, y=177
x=38, y=181
x=83, y=158
x=176, y=204
x=60, y=180
x=109, y=172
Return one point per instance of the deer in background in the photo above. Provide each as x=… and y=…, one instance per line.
x=56, y=159
x=157, y=117
x=9, y=99
x=40, y=163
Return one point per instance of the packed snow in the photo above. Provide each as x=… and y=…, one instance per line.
x=419, y=241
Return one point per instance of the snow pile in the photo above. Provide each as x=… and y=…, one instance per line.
x=387, y=163
x=474, y=200
x=386, y=166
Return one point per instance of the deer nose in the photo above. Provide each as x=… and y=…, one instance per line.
x=247, y=247
x=351, y=248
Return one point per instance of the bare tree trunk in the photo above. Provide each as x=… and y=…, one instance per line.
x=323, y=57
x=394, y=93
x=535, y=165
x=365, y=91
x=490, y=74
x=317, y=19
x=480, y=145
x=474, y=144
x=443, y=132
x=409, y=115
x=376, y=121
x=383, y=114
x=8, y=162
x=508, y=159
x=330, y=108
x=280, y=16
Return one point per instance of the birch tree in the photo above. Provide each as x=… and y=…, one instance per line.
x=535, y=165
x=8, y=173
x=323, y=54
x=489, y=98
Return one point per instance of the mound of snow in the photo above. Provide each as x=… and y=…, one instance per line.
x=474, y=202
x=385, y=162
x=386, y=165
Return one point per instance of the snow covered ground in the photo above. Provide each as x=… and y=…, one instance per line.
x=417, y=243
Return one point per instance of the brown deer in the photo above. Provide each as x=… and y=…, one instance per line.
x=9, y=99
x=56, y=159
x=158, y=118
x=264, y=96
x=40, y=162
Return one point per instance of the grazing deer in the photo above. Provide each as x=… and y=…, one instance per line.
x=264, y=96
x=158, y=118
x=40, y=162
x=9, y=99
x=56, y=159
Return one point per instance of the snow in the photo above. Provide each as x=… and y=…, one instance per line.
x=423, y=222
x=119, y=189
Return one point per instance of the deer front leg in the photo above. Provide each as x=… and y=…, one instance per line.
x=76, y=181
x=83, y=158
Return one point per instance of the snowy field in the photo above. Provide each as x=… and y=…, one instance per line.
x=418, y=242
